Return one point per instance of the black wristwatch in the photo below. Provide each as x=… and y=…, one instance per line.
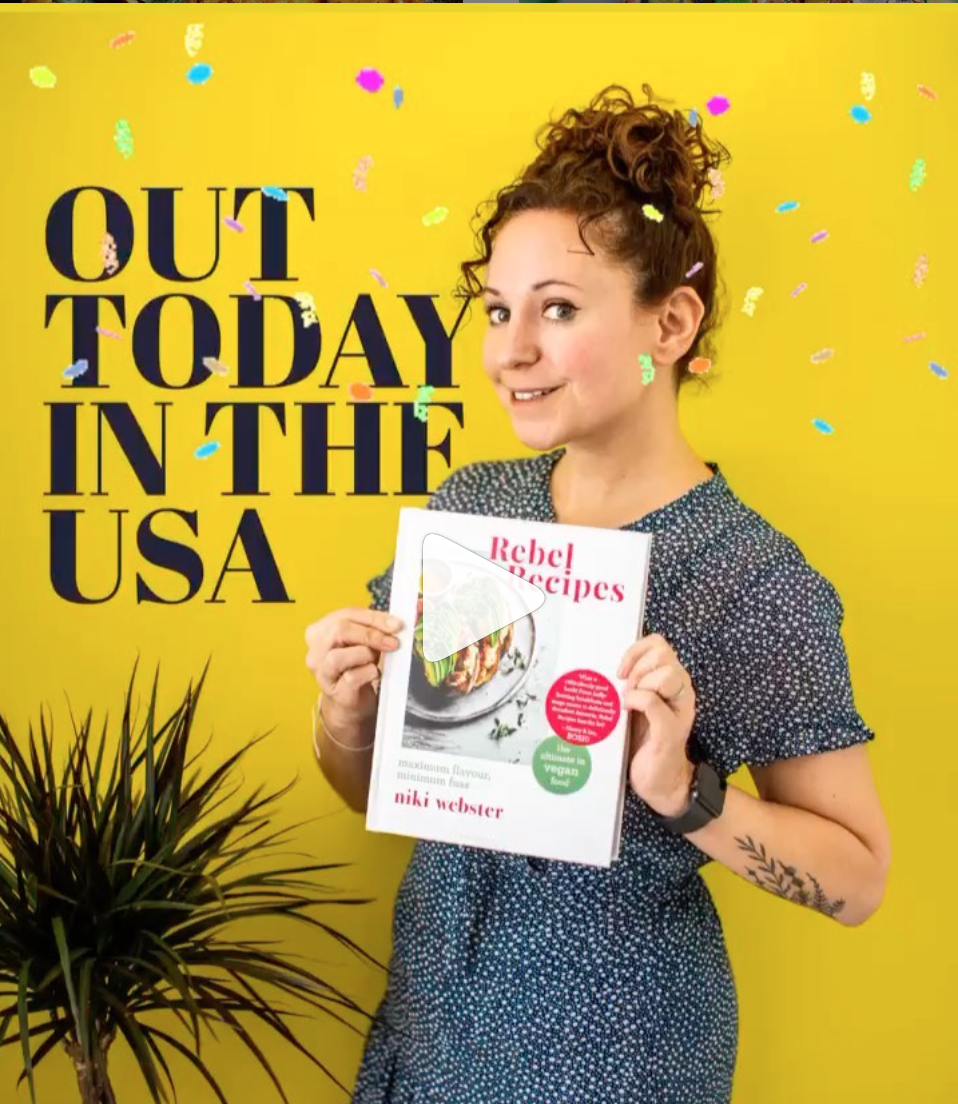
x=707, y=800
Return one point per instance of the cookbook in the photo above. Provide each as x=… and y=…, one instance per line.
x=517, y=741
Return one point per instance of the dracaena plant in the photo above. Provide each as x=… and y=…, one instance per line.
x=120, y=885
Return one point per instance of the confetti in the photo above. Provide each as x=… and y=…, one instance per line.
x=249, y=287
x=199, y=73
x=398, y=96
x=693, y=117
x=275, y=193
x=921, y=270
x=860, y=114
x=43, y=77
x=437, y=214
x=917, y=175
x=868, y=85
x=698, y=266
x=77, y=369
x=820, y=236
x=790, y=205
x=107, y=333
x=914, y=337
x=822, y=355
x=206, y=450
x=371, y=80
x=360, y=391
x=799, y=290
x=822, y=426
x=359, y=173
x=751, y=298
x=648, y=368
x=718, y=105
x=214, y=365
x=308, y=307
x=374, y=273
x=123, y=138
x=699, y=365
x=717, y=183
x=421, y=406
x=194, y=38
x=652, y=212
x=108, y=252
x=123, y=39
x=927, y=92
x=940, y=372
x=233, y=224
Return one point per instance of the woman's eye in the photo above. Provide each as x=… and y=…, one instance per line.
x=561, y=304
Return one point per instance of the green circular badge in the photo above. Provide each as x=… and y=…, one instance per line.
x=561, y=768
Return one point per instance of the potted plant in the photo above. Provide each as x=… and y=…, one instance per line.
x=119, y=890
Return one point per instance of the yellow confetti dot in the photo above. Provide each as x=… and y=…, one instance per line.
x=652, y=213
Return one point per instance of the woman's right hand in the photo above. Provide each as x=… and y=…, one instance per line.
x=344, y=652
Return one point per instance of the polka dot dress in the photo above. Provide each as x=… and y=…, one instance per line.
x=519, y=980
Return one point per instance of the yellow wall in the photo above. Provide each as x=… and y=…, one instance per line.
x=827, y=1013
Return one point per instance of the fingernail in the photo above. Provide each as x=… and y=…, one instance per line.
x=394, y=622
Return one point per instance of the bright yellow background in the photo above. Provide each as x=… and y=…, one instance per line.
x=827, y=1012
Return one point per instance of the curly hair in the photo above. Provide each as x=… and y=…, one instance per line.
x=603, y=165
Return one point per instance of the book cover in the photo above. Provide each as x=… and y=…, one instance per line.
x=517, y=742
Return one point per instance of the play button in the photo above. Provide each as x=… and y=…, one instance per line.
x=466, y=597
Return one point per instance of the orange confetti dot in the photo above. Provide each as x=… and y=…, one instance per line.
x=699, y=365
x=360, y=391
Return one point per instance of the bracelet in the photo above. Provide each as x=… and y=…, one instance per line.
x=318, y=712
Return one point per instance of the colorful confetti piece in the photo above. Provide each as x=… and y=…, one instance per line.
x=108, y=253
x=275, y=193
x=107, y=333
x=376, y=275
x=648, y=368
x=214, y=365
x=398, y=96
x=206, y=450
x=421, y=406
x=751, y=298
x=249, y=287
x=699, y=365
x=822, y=355
x=307, y=306
x=914, y=337
x=437, y=214
x=801, y=287
x=718, y=105
x=860, y=114
x=917, y=177
x=921, y=270
x=233, y=224
x=122, y=39
x=789, y=205
x=652, y=212
x=123, y=138
x=697, y=267
x=822, y=426
x=371, y=80
x=194, y=38
x=43, y=77
x=940, y=371
x=359, y=173
x=868, y=85
x=820, y=236
x=199, y=73
x=716, y=183
x=927, y=92
x=77, y=369
x=360, y=391
x=693, y=117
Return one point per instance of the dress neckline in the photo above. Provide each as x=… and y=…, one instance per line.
x=700, y=492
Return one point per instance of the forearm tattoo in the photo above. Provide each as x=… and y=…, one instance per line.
x=784, y=881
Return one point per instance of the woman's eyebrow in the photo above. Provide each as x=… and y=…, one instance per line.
x=535, y=287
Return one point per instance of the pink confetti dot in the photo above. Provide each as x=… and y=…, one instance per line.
x=718, y=105
x=233, y=224
x=820, y=236
x=370, y=79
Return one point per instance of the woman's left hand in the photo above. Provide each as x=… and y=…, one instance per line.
x=660, y=692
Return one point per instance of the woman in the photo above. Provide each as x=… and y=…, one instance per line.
x=518, y=979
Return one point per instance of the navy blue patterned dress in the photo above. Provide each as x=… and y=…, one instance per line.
x=518, y=980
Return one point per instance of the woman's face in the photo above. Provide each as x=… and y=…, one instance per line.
x=583, y=341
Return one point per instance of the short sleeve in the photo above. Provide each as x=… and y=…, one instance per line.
x=777, y=682
x=444, y=497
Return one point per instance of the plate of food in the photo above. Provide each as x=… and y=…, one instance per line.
x=478, y=678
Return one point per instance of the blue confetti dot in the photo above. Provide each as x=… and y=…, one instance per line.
x=693, y=117
x=275, y=193
x=206, y=450
x=791, y=205
x=200, y=73
x=398, y=96
x=822, y=426
x=860, y=114
x=940, y=371
x=76, y=369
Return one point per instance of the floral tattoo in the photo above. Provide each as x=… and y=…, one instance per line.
x=784, y=881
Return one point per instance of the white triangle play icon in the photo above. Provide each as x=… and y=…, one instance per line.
x=466, y=597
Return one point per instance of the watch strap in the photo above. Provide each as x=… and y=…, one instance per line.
x=707, y=800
